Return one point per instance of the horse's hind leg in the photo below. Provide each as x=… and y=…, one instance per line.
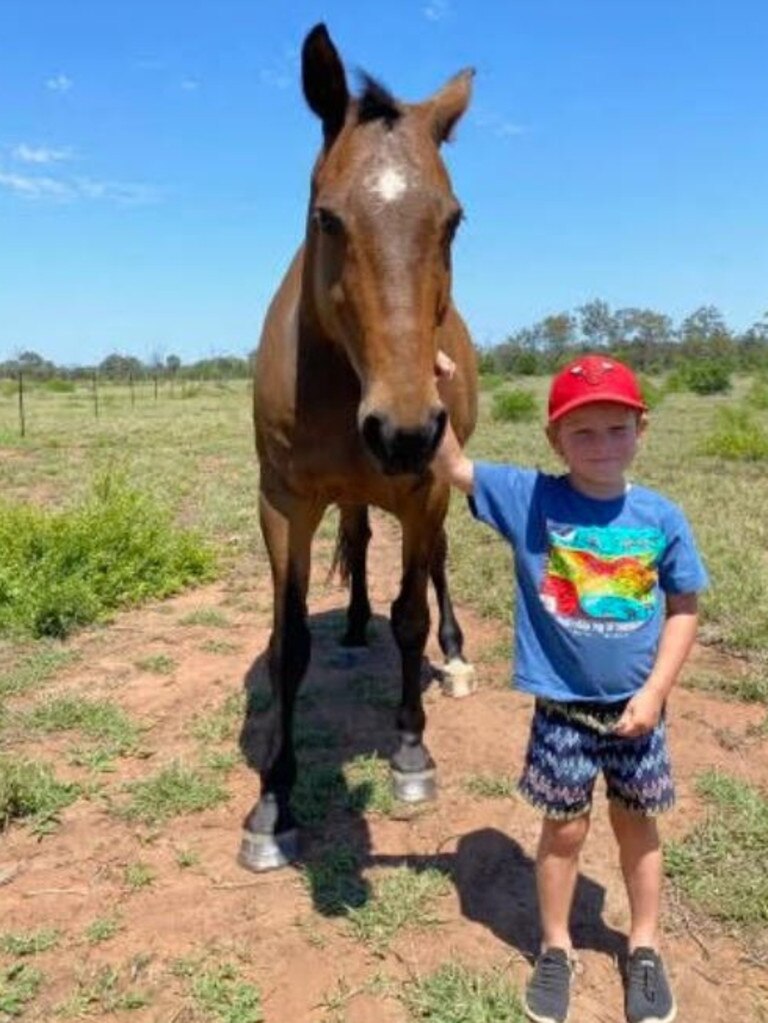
x=270, y=836
x=458, y=676
x=354, y=537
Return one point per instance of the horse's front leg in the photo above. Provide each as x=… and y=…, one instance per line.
x=270, y=836
x=354, y=537
x=413, y=770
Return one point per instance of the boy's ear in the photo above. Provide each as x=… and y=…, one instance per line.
x=642, y=423
x=553, y=436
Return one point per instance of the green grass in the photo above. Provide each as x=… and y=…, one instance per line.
x=157, y=664
x=102, y=928
x=29, y=943
x=403, y=898
x=207, y=616
x=138, y=875
x=30, y=792
x=369, y=784
x=173, y=791
x=487, y=786
x=100, y=991
x=220, y=725
x=222, y=994
x=736, y=436
x=333, y=879
x=18, y=986
x=64, y=569
x=456, y=994
x=720, y=865
x=514, y=406
x=33, y=669
x=101, y=720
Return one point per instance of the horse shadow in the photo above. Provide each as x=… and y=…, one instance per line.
x=346, y=714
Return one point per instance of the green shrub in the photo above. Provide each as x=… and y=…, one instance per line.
x=706, y=377
x=513, y=406
x=61, y=570
x=736, y=436
x=652, y=393
x=57, y=386
x=490, y=381
x=757, y=396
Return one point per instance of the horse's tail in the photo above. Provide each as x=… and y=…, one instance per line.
x=342, y=558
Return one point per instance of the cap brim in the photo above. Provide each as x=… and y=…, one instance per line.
x=595, y=399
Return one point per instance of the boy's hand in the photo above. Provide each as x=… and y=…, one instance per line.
x=641, y=715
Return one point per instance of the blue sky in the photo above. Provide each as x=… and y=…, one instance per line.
x=154, y=160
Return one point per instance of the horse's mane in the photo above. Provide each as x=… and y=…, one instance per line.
x=376, y=103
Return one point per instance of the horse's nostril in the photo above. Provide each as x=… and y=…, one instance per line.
x=403, y=450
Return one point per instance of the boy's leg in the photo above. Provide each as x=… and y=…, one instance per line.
x=557, y=869
x=641, y=864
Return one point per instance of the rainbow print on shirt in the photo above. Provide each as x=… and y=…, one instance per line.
x=601, y=573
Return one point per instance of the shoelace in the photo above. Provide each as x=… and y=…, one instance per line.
x=649, y=976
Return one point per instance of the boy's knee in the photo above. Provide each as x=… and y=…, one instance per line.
x=564, y=837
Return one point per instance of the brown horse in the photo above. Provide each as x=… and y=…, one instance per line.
x=346, y=405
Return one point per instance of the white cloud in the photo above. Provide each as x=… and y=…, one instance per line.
x=59, y=83
x=190, y=84
x=436, y=10
x=39, y=154
x=497, y=124
x=283, y=72
x=35, y=187
x=41, y=187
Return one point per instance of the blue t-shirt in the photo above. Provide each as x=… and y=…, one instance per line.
x=591, y=578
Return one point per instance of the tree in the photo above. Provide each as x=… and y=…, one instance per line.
x=597, y=324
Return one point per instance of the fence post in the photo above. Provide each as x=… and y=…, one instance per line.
x=95, y=395
x=22, y=418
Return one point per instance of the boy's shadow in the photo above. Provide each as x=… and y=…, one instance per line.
x=493, y=876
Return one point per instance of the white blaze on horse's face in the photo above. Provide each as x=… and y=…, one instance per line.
x=388, y=184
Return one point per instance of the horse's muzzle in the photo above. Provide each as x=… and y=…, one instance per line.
x=398, y=451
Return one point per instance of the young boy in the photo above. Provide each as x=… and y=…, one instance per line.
x=607, y=575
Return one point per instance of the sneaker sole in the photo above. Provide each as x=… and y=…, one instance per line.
x=672, y=1014
x=551, y=1019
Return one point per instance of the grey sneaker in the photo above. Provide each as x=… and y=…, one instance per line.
x=549, y=989
x=649, y=998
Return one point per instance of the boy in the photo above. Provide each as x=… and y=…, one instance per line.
x=607, y=576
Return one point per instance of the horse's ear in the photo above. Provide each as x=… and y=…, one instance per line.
x=449, y=103
x=324, y=81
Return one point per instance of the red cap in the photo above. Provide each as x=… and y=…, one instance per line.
x=592, y=378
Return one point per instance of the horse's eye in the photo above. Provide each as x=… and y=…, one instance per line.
x=328, y=222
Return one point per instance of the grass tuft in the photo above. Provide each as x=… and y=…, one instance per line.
x=221, y=993
x=403, y=898
x=30, y=943
x=456, y=994
x=18, y=985
x=29, y=791
x=173, y=791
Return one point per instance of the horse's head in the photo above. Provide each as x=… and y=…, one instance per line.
x=382, y=217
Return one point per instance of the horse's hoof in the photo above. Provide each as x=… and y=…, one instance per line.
x=414, y=786
x=457, y=678
x=260, y=852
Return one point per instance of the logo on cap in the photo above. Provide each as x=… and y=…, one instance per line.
x=593, y=372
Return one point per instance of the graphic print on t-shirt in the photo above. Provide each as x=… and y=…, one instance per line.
x=600, y=574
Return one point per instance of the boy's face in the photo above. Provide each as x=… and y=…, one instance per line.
x=598, y=442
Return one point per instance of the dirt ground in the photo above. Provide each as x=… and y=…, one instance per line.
x=298, y=957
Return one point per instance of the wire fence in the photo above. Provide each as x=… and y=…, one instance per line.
x=101, y=394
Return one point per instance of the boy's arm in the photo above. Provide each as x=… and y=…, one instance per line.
x=643, y=711
x=451, y=465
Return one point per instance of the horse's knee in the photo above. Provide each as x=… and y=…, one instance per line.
x=410, y=623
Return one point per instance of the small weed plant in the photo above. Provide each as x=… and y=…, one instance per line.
x=29, y=791
x=457, y=994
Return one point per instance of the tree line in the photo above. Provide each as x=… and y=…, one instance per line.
x=648, y=340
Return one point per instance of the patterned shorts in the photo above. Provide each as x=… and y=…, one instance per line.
x=571, y=742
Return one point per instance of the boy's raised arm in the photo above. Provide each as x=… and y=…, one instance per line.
x=452, y=465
